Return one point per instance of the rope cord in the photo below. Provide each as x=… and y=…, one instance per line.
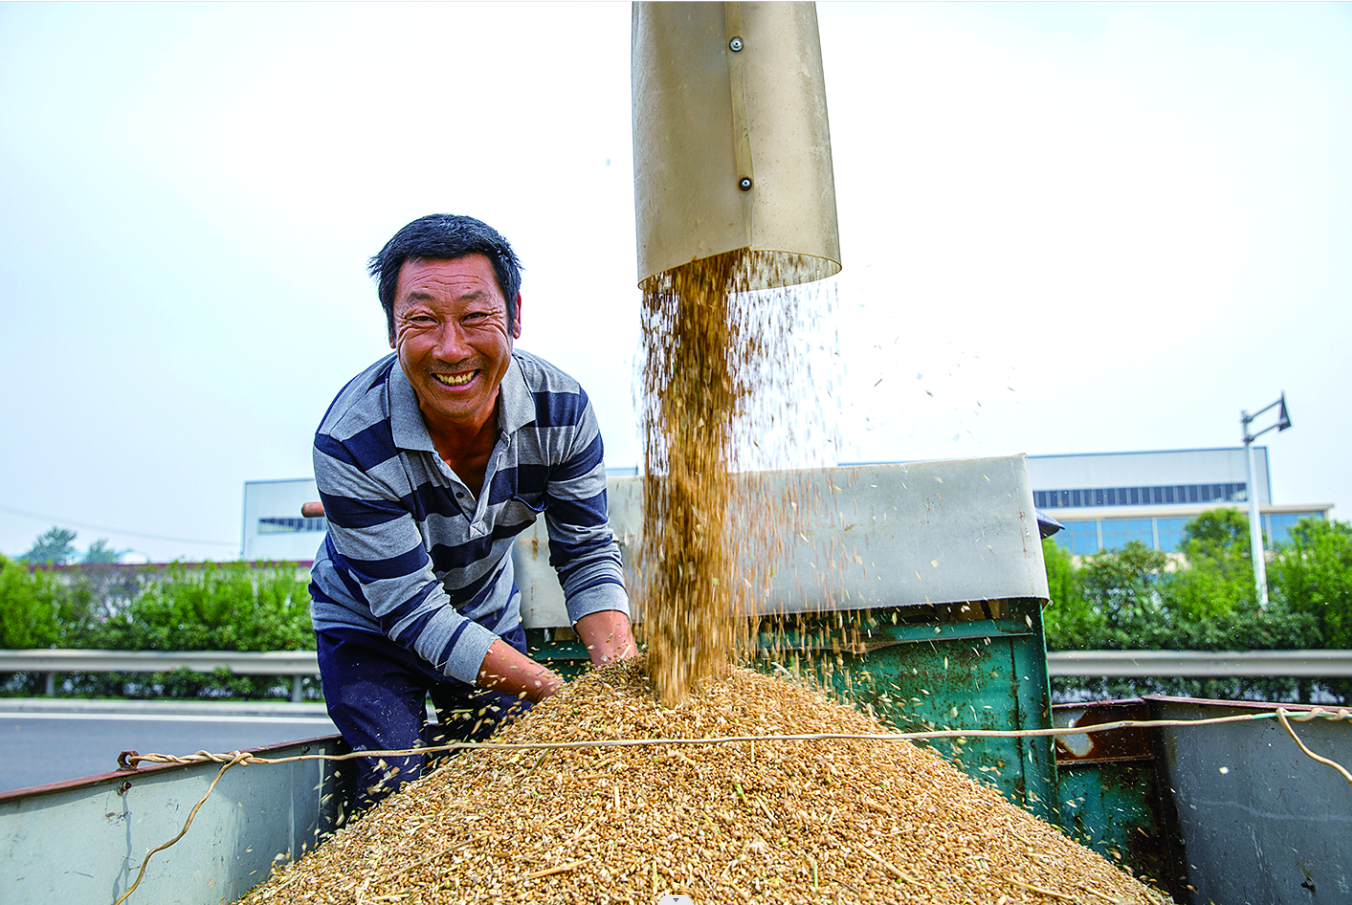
x=239, y=757
x=1286, y=724
x=204, y=756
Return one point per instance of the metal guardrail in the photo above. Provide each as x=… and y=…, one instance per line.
x=1144, y=663
x=246, y=663
x=301, y=663
x=295, y=663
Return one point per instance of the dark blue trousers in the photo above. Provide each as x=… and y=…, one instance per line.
x=376, y=692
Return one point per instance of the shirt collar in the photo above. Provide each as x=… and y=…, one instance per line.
x=516, y=403
x=516, y=407
x=406, y=422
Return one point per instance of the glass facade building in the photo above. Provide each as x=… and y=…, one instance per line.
x=1085, y=537
x=1157, y=495
x=1107, y=500
x=276, y=525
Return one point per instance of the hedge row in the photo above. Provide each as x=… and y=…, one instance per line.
x=233, y=606
x=1132, y=599
x=1206, y=600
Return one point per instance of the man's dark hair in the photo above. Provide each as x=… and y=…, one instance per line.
x=445, y=236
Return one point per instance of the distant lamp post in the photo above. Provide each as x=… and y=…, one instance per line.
x=1256, y=519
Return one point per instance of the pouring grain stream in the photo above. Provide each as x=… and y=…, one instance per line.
x=692, y=386
x=726, y=386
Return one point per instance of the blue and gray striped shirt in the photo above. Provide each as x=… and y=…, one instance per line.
x=410, y=553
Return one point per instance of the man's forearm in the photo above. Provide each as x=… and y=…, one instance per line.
x=507, y=670
x=607, y=636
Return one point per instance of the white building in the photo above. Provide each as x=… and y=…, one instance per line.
x=1108, y=499
x=274, y=529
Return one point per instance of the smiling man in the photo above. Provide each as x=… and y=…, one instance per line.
x=429, y=463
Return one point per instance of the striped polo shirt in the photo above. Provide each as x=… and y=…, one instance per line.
x=411, y=554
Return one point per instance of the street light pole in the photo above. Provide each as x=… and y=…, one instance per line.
x=1255, y=517
x=1255, y=524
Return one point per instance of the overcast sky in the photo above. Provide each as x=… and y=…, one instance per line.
x=1065, y=228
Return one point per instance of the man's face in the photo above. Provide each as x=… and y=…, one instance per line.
x=450, y=329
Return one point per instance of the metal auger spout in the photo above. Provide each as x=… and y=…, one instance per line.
x=731, y=145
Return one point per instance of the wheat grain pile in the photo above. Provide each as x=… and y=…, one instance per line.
x=765, y=822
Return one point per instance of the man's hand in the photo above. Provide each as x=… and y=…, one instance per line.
x=505, y=669
x=607, y=636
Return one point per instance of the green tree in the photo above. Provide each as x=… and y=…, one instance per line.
x=1216, y=530
x=1218, y=577
x=1123, y=585
x=100, y=552
x=28, y=619
x=216, y=606
x=28, y=609
x=54, y=547
x=1070, y=621
x=1313, y=574
x=1134, y=598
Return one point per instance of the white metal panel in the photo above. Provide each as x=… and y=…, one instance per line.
x=884, y=535
x=85, y=841
x=1259, y=820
